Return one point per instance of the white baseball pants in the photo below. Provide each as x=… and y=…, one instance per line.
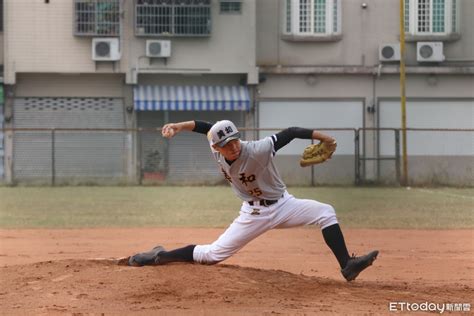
x=256, y=220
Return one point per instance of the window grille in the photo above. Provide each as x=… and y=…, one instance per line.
x=305, y=19
x=313, y=18
x=231, y=6
x=407, y=16
x=431, y=17
x=97, y=17
x=423, y=16
x=288, y=17
x=1, y=15
x=319, y=16
x=173, y=17
x=335, y=17
x=454, y=13
x=438, y=16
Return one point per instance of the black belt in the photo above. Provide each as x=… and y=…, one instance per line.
x=263, y=202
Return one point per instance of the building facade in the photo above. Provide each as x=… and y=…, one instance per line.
x=267, y=64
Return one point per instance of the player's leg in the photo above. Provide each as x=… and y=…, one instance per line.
x=158, y=255
x=245, y=228
x=298, y=212
x=350, y=266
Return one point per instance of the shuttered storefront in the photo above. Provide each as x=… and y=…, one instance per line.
x=186, y=159
x=68, y=156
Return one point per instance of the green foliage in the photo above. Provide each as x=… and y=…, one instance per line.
x=74, y=207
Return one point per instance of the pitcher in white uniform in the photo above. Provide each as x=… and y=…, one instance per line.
x=250, y=169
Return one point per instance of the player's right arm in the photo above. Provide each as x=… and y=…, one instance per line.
x=171, y=129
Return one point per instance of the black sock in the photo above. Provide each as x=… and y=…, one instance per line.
x=184, y=254
x=335, y=240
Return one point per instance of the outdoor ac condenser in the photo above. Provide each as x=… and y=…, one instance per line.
x=158, y=48
x=389, y=52
x=429, y=51
x=105, y=49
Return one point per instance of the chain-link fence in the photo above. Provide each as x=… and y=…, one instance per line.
x=142, y=156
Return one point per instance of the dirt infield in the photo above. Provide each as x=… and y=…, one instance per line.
x=48, y=272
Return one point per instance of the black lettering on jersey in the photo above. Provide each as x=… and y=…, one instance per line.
x=255, y=192
x=226, y=175
x=245, y=180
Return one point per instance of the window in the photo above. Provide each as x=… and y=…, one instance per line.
x=173, y=17
x=312, y=19
x=432, y=18
x=97, y=17
x=231, y=6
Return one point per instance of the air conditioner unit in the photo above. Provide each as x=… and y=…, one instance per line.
x=105, y=49
x=158, y=48
x=389, y=52
x=429, y=51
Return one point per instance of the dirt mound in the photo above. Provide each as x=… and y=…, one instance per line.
x=102, y=287
x=292, y=272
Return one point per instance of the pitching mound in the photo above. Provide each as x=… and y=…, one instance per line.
x=43, y=272
x=101, y=286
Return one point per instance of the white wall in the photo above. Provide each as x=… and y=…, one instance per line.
x=430, y=114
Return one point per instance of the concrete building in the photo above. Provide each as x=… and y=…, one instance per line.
x=269, y=64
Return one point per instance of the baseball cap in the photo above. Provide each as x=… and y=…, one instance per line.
x=222, y=132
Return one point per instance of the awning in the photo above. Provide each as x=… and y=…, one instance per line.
x=191, y=98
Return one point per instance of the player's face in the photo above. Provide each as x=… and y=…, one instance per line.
x=231, y=150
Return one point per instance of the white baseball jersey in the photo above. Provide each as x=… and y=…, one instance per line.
x=253, y=176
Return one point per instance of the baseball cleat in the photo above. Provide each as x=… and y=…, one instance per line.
x=356, y=265
x=149, y=258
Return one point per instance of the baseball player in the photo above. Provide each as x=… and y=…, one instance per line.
x=250, y=169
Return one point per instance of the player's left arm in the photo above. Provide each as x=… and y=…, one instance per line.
x=287, y=135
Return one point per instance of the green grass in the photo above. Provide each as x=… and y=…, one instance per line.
x=78, y=207
x=398, y=207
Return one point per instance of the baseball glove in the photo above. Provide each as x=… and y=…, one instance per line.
x=317, y=153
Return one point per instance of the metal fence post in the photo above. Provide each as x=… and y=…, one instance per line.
x=139, y=155
x=53, y=162
x=357, y=155
x=397, y=154
x=312, y=168
x=10, y=159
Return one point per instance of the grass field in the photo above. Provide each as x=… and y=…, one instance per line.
x=79, y=207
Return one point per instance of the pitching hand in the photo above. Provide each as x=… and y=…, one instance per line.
x=169, y=130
